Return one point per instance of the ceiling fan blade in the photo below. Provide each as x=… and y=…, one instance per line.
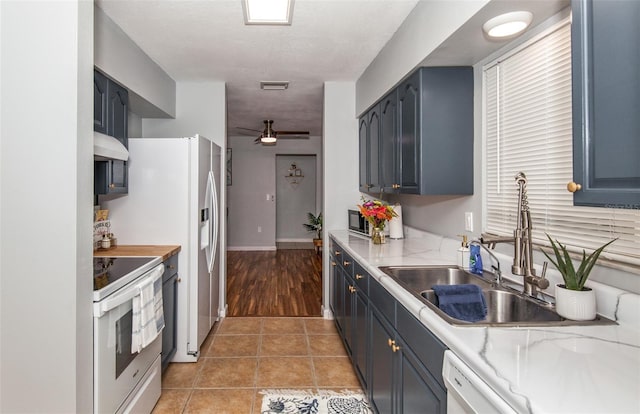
x=293, y=136
x=249, y=129
x=292, y=132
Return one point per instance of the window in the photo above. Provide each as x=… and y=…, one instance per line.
x=527, y=127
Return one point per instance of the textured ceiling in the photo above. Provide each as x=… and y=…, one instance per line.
x=329, y=40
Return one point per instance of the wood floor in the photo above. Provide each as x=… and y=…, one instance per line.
x=274, y=283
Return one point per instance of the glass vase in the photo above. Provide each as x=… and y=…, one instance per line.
x=377, y=236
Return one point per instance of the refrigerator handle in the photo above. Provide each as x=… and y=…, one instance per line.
x=216, y=220
x=211, y=204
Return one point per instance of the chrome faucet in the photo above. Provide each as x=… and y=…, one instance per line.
x=522, y=246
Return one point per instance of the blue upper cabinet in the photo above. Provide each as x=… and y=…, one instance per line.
x=606, y=103
x=110, y=117
x=421, y=135
x=435, y=115
x=369, y=138
x=389, y=157
x=99, y=102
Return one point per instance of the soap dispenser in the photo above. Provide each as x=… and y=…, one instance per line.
x=463, y=253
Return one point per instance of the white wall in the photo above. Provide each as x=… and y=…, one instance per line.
x=201, y=108
x=340, y=152
x=254, y=177
x=46, y=196
x=428, y=25
x=295, y=197
x=152, y=93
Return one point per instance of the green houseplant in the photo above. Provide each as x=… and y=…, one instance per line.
x=314, y=223
x=573, y=300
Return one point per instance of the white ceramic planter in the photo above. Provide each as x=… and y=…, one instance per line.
x=577, y=305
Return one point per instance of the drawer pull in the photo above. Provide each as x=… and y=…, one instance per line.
x=358, y=277
x=391, y=342
x=346, y=263
x=395, y=348
x=333, y=263
x=338, y=252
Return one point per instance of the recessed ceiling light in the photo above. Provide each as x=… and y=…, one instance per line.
x=274, y=85
x=268, y=12
x=507, y=24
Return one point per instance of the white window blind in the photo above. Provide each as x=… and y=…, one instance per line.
x=527, y=127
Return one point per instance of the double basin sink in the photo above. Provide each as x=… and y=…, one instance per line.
x=505, y=306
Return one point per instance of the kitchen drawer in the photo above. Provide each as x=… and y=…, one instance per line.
x=346, y=261
x=361, y=277
x=428, y=348
x=382, y=300
x=170, y=267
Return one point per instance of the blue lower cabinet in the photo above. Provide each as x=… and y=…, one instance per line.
x=396, y=358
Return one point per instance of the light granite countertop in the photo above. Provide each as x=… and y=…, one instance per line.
x=568, y=369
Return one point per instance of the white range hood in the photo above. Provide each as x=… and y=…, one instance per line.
x=108, y=148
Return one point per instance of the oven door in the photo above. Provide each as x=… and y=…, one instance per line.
x=117, y=370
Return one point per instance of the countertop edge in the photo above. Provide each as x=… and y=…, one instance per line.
x=163, y=251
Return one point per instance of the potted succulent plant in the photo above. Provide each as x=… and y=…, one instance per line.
x=314, y=223
x=574, y=300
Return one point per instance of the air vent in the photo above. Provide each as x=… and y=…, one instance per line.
x=274, y=85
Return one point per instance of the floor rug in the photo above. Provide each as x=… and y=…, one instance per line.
x=309, y=402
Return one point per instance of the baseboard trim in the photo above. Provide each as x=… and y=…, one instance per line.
x=251, y=248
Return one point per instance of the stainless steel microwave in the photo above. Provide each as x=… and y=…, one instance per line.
x=358, y=223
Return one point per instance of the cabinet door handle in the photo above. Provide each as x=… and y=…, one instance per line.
x=358, y=277
x=171, y=267
x=338, y=252
x=391, y=342
x=396, y=186
x=573, y=187
x=395, y=348
x=352, y=289
x=333, y=263
x=346, y=263
x=112, y=185
x=179, y=279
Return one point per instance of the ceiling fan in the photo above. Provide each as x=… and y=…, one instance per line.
x=270, y=136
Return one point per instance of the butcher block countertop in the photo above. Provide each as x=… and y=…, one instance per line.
x=138, y=250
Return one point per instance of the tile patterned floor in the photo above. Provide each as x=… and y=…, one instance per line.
x=245, y=355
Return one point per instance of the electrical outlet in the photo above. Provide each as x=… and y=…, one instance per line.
x=259, y=229
x=468, y=221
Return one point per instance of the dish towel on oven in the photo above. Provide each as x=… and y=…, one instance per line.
x=148, y=316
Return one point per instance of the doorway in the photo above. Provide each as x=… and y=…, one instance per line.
x=296, y=197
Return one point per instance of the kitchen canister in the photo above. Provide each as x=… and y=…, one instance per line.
x=396, y=230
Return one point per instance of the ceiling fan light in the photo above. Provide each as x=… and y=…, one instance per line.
x=508, y=24
x=267, y=12
x=268, y=139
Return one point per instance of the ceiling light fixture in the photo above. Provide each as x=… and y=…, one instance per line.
x=274, y=85
x=268, y=139
x=268, y=136
x=267, y=12
x=508, y=24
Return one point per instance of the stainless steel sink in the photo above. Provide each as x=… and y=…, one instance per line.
x=421, y=278
x=505, y=306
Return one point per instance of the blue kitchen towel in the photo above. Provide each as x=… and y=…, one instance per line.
x=465, y=302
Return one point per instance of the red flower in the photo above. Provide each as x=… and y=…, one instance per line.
x=376, y=212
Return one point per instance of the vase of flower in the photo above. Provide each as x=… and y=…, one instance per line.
x=377, y=214
x=377, y=236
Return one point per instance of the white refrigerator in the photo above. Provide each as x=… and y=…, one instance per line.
x=174, y=199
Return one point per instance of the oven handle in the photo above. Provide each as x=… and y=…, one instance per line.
x=127, y=293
